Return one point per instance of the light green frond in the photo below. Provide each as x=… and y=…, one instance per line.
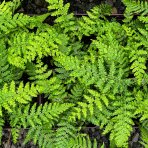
x=135, y=7
x=10, y=95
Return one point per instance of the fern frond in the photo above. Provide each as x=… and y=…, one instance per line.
x=33, y=46
x=87, y=109
x=58, y=7
x=10, y=95
x=36, y=116
x=135, y=7
x=1, y=128
x=142, y=103
x=64, y=133
x=11, y=23
x=144, y=133
x=38, y=72
x=138, y=60
x=121, y=122
x=82, y=141
x=8, y=7
x=41, y=135
x=15, y=132
x=77, y=92
x=98, y=98
x=52, y=87
x=67, y=22
x=144, y=19
x=41, y=119
x=63, y=137
x=89, y=24
x=7, y=71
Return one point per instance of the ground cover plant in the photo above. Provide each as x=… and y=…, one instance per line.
x=100, y=81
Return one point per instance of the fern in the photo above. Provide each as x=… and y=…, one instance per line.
x=137, y=48
x=138, y=59
x=1, y=128
x=10, y=22
x=42, y=136
x=135, y=7
x=33, y=45
x=82, y=141
x=64, y=133
x=91, y=22
x=10, y=95
x=42, y=115
x=51, y=87
x=121, y=122
x=102, y=81
x=7, y=71
x=15, y=132
x=39, y=119
x=141, y=98
x=144, y=133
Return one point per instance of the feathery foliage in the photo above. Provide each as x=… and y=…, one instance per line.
x=103, y=81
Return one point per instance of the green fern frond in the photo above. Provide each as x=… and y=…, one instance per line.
x=11, y=23
x=144, y=19
x=64, y=133
x=33, y=46
x=15, y=132
x=36, y=116
x=77, y=92
x=135, y=7
x=144, y=133
x=38, y=72
x=142, y=103
x=121, y=123
x=89, y=24
x=82, y=141
x=11, y=95
x=41, y=135
x=58, y=7
x=98, y=98
x=138, y=60
x=1, y=128
x=101, y=118
x=9, y=7
x=63, y=137
x=52, y=87
x=64, y=20
x=40, y=120
x=7, y=71
x=87, y=109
